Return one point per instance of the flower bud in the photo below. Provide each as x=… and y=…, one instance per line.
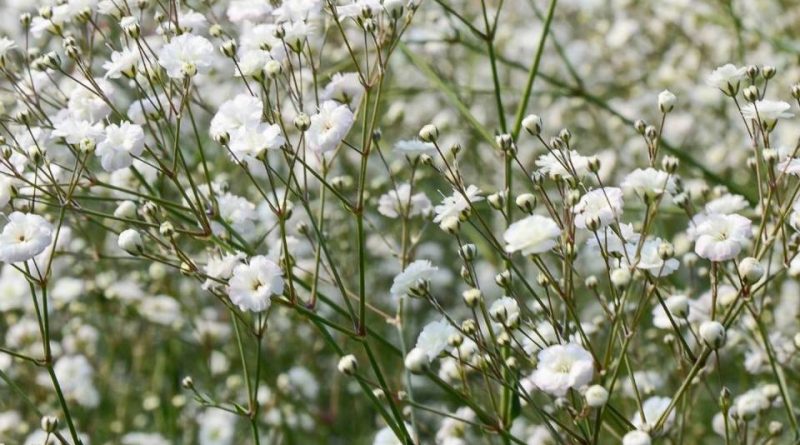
x=796, y=91
x=497, y=200
x=503, y=279
x=125, y=210
x=670, y=164
x=532, y=124
x=526, y=202
x=348, y=364
x=565, y=135
x=130, y=241
x=504, y=141
x=666, y=250
x=429, y=133
x=594, y=164
x=166, y=229
x=636, y=437
x=228, y=48
x=620, y=277
x=750, y=93
x=49, y=424
x=416, y=361
x=768, y=71
x=751, y=270
x=678, y=306
x=468, y=252
x=666, y=101
x=302, y=122
x=596, y=396
x=273, y=68
x=455, y=340
x=472, y=297
x=640, y=126
x=187, y=382
x=713, y=333
x=451, y=224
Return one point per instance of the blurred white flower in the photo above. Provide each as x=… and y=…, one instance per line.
x=395, y=203
x=121, y=143
x=532, y=235
x=415, y=273
x=434, y=336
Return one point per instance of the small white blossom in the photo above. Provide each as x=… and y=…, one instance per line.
x=532, y=235
x=252, y=285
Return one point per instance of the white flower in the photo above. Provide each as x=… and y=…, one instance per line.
x=636, y=437
x=767, y=112
x=726, y=204
x=415, y=147
x=505, y=310
x=649, y=181
x=395, y=203
x=221, y=267
x=122, y=63
x=414, y=273
x=161, y=309
x=75, y=376
x=749, y=404
x=75, y=131
x=217, y=427
x=603, y=205
x=329, y=126
x=344, y=88
x=434, y=336
x=251, y=63
x=186, y=55
x=456, y=204
x=653, y=408
x=727, y=78
x=650, y=258
x=243, y=110
x=253, y=141
x=24, y=236
x=6, y=45
x=562, y=367
x=678, y=307
x=532, y=235
x=121, y=143
x=252, y=285
x=721, y=237
x=561, y=163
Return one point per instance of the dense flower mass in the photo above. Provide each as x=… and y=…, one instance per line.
x=404, y=222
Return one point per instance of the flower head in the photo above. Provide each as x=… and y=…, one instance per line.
x=721, y=237
x=563, y=367
x=253, y=284
x=532, y=235
x=186, y=55
x=329, y=126
x=24, y=236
